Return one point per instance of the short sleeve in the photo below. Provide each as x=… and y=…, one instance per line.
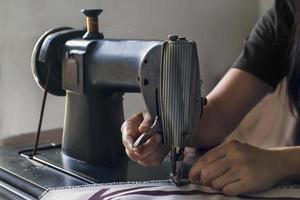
x=264, y=52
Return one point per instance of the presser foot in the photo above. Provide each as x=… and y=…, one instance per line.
x=176, y=174
x=178, y=181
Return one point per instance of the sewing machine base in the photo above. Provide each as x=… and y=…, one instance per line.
x=125, y=170
x=22, y=177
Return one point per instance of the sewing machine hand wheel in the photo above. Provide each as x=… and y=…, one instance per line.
x=47, y=54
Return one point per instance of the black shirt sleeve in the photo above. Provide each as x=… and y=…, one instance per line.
x=265, y=51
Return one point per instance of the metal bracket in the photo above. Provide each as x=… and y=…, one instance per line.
x=72, y=72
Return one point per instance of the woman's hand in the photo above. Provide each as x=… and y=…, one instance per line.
x=237, y=168
x=150, y=153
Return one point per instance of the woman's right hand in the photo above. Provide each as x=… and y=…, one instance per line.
x=152, y=152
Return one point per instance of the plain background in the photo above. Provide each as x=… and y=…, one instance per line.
x=218, y=27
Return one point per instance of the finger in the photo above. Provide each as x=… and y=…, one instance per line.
x=209, y=157
x=128, y=138
x=146, y=123
x=150, y=146
x=214, y=170
x=151, y=160
x=156, y=158
x=235, y=188
x=228, y=177
x=136, y=119
x=133, y=156
x=130, y=131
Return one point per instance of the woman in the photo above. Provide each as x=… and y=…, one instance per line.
x=269, y=54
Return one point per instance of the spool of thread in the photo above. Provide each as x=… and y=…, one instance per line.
x=92, y=24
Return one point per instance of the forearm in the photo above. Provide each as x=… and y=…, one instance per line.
x=212, y=127
x=228, y=103
x=289, y=163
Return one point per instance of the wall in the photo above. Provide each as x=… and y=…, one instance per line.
x=217, y=26
x=264, y=5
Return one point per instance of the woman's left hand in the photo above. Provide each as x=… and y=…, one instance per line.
x=237, y=168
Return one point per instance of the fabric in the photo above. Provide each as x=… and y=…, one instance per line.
x=266, y=52
x=160, y=190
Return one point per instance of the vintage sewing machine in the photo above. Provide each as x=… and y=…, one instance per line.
x=94, y=73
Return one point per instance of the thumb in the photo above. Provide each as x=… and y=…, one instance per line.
x=146, y=123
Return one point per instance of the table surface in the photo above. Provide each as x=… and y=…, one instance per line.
x=27, y=139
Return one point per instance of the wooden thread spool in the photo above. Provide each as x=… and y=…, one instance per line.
x=92, y=24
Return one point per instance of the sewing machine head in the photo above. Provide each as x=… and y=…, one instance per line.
x=94, y=73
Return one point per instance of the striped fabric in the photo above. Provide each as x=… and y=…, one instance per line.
x=160, y=190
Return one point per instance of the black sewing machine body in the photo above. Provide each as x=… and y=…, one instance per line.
x=96, y=74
